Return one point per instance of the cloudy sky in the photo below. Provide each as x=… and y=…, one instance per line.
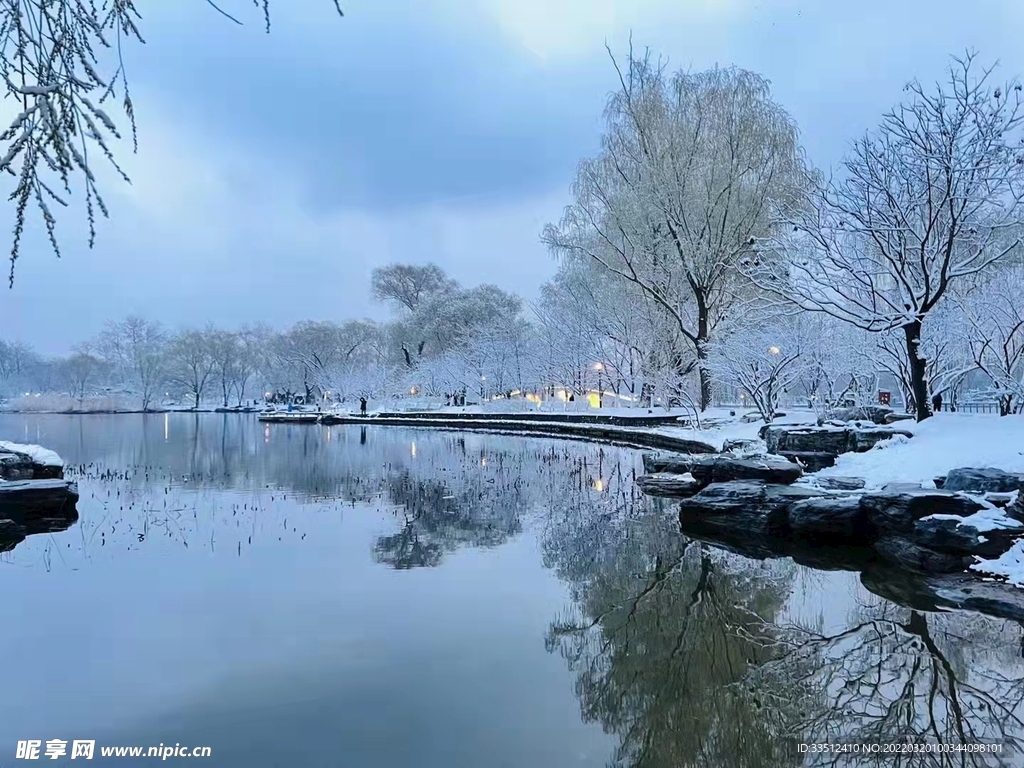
x=274, y=172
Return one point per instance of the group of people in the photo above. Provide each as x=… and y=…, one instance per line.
x=455, y=398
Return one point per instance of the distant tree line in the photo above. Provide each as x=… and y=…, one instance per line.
x=701, y=259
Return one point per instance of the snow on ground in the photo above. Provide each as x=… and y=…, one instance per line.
x=42, y=456
x=732, y=428
x=945, y=441
x=1010, y=564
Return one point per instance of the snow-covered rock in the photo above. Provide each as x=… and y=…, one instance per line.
x=898, y=511
x=720, y=469
x=44, y=457
x=983, y=480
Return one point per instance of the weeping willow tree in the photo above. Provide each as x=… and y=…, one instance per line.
x=63, y=69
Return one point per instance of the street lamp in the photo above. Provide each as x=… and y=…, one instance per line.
x=599, y=367
x=773, y=349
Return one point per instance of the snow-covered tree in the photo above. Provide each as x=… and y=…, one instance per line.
x=79, y=373
x=16, y=363
x=690, y=167
x=994, y=324
x=192, y=361
x=407, y=286
x=61, y=60
x=924, y=204
x=837, y=364
x=764, y=358
x=136, y=349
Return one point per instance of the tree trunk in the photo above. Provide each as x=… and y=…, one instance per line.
x=1005, y=405
x=918, y=371
x=704, y=373
x=701, y=342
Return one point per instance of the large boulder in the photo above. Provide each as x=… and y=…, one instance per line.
x=983, y=480
x=934, y=592
x=826, y=439
x=17, y=465
x=897, y=512
x=836, y=520
x=39, y=505
x=908, y=555
x=754, y=507
x=677, y=463
x=669, y=484
x=947, y=533
x=706, y=470
x=804, y=439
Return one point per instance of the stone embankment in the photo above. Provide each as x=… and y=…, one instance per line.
x=34, y=496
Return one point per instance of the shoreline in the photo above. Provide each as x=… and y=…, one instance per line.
x=130, y=411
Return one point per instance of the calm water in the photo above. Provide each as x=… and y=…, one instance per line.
x=304, y=596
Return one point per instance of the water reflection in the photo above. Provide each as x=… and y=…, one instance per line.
x=693, y=655
x=679, y=652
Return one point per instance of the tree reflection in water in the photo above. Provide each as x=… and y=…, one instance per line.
x=695, y=656
x=899, y=675
x=662, y=634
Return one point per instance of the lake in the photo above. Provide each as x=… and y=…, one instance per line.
x=297, y=595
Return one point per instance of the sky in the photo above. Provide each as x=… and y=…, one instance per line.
x=274, y=172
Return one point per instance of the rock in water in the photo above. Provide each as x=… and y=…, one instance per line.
x=897, y=512
x=910, y=556
x=947, y=534
x=11, y=534
x=723, y=469
x=751, y=506
x=984, y=480
x=835, y=521
x=668, y=484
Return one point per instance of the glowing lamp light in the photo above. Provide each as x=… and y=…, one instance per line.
x=774, y=350
x=414, y=390
x=599, y=485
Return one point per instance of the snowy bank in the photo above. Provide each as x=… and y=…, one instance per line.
x=44, y=457
x=944, y=442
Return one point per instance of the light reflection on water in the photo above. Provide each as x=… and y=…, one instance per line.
x=293, y=595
